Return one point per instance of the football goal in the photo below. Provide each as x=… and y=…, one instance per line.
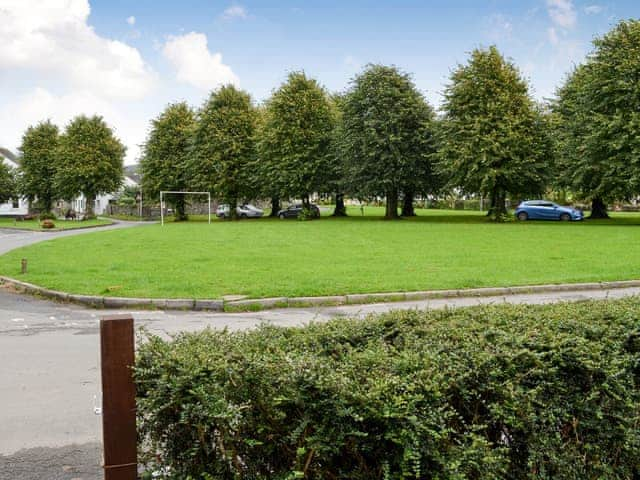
x=171, y=192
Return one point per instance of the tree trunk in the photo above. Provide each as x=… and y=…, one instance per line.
x=306, y=204
x=233, y=209
x=91, y=201
x=498, y=210
x=275, y=206
x=391, y=211
x=181, y=206
x=598, y=208
x=407, y=205
x=47, y=204
x=341, y=209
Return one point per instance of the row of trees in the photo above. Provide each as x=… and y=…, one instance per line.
x=379, y=139
x=382, y=139
x=85, y=159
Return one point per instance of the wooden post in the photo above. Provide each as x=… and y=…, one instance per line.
x=118, y=398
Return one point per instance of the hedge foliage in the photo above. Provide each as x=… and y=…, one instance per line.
x=505, y=392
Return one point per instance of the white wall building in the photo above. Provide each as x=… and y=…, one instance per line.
x=79, y=204
x=15, y=207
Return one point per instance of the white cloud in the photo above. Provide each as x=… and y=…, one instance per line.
x=562, y=13
x=195, y=64
x=39, y=104
x=234, y=11
x=53, y=37
x=593, y=9
x=498, y=27
x=131, y=20
x=553, y=36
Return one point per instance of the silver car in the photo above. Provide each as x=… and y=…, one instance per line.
x=243, y=211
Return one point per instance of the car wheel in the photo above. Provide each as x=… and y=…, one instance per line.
x=522, y=216
x=281, y=216
x=244, y=215
x=565, y=217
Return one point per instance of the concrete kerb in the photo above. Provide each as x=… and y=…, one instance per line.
x=232, y=305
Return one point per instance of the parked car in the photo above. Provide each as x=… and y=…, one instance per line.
x=544, y=210
x=293, y=211
x=243, y=211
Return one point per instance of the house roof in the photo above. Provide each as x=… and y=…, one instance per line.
x=133, y=172
x=11, y=157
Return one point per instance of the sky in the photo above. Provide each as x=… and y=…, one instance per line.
x=126, y=60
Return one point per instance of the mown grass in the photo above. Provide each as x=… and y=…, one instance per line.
x=358, y=254
x=59, y=224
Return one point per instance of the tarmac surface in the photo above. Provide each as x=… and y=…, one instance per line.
x=49, y=365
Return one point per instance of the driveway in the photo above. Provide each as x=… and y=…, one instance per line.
x=11, y=238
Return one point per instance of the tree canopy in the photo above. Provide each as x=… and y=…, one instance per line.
x=599, y=120
x=90, y=160
x=165, y=156
x=224, y=153
x=295, y=138
x=387, y=129
x=493, y=139
x=38, y=164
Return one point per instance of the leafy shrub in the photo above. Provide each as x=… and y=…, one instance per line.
x=127, y=201
x=307, y=214
x=47, y=224
x=47, y=216
x=509, y=392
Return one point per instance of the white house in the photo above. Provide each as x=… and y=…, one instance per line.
x=15, y=207
x=79, y=204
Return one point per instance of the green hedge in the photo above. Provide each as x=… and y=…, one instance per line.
x=511, y=392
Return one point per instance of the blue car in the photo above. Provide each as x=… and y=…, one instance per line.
x=544, y=210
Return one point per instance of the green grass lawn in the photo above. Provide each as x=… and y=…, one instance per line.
x=60, y=224
x=359, y=254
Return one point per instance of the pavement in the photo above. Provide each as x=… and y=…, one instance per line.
x=49, y=365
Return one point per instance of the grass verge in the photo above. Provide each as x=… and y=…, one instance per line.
x=331, y=256
x=35, y=225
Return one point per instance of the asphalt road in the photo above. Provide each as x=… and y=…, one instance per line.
x=49, y=367
x=11, y=238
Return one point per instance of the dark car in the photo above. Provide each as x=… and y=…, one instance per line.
x=293, y=211
x=544, y=210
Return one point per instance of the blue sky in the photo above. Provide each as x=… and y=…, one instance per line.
x=127, y=59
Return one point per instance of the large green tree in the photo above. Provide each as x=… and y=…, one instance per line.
x=599, y=120
x=493, y=136
x=38, y=164
x=90, y=160
x=388, y=136
x=295, y=138
x=165, y=155
x=7, y=182
x=224, y=151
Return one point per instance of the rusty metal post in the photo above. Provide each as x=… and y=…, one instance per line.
x=23, y=265
x=118, y=398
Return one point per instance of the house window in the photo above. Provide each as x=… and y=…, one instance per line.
x=15, y=204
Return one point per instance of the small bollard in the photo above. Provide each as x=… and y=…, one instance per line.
x=23, y=265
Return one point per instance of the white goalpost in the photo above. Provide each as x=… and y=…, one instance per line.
x=208, y=194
